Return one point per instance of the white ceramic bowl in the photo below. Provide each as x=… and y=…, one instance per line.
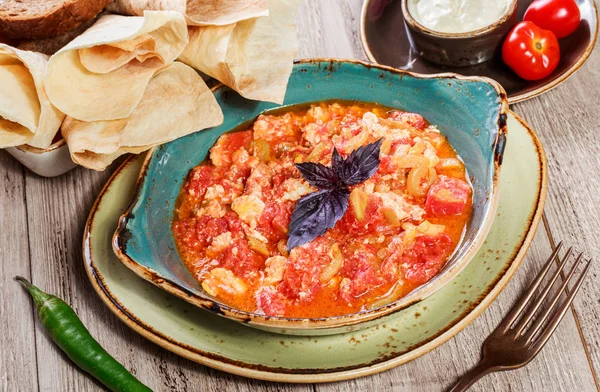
x=46, y=162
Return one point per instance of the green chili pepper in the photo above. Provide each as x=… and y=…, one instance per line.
x=69, y=333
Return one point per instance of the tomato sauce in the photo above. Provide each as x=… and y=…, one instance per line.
x=400, y=228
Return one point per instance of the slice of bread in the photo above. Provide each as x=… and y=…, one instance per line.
x=22, y=19
x=52, y=45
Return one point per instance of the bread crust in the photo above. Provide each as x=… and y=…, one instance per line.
x=19, y=24
x=51, y=45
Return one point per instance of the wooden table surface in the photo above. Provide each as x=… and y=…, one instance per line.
x=42, y=220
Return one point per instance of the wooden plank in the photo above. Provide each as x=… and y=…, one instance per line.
x=17, y=340
x=57, y=210
x=330, y=29
x=568, y=123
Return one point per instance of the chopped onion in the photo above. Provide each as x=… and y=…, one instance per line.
x=337, y=259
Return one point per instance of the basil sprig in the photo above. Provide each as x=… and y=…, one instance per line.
x=319, y=211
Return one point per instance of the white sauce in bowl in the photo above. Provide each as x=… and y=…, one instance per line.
x=457, y=16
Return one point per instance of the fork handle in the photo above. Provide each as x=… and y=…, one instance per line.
x=469, y=378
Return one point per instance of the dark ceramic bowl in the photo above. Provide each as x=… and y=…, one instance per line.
x=458, y=49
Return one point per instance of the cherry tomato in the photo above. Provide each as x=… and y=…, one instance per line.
x=533, y=53
x=562, y=17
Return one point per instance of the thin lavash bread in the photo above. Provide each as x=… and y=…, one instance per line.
x=102, y=74
x=254, y=57
x=26, y=114
x=45, y=18
x=196, y=12
x=176, y=89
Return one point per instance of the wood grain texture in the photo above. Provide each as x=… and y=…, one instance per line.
x=56, y=209
x=568, y=123
x=330, y=29
x=17, y=341
x=46, y=219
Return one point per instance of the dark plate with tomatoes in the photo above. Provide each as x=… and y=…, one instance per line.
x=385, y=41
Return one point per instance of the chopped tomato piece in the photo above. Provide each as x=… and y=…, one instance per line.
x=426, y=257
x=240, y=258
x=200, y=178
x=389, y=267
x=236, y=140
x=200, y=232
x=362, y=276
x=234, y=223
x=270, y=301
x=275, y=219
x=373, y=221
x=387, y=166
x=195, y=232
x=414, y=120
x=447, y=196
x=208, y=228
x=303, y=270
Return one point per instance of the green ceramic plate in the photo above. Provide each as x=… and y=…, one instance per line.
x=470, y=111
x=226, y=345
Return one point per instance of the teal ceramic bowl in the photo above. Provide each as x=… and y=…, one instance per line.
x=470, y=111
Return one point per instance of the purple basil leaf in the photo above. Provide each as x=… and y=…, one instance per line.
x=360, y=165
x=318, y=175
x=314, y=214
x=304, y=208
x=336, y=159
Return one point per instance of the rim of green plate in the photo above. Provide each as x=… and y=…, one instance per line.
x=330, y=375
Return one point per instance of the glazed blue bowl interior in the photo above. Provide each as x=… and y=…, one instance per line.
x=466, y=111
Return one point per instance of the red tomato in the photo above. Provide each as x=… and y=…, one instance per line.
x=200, y=178
x=275, y=219
x=373, y=221
x=389, y=267
x=562, y=17
x=387, y=165
x=414, y=120
x=303, y=269
x=426, y=258
x=239, y=258
x=447, y=196
x=531, y=52
x=208, y=228
x=228, y=144
x=365, y=280
x=270, y=301
x=360, y=270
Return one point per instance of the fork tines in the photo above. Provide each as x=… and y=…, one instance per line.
x=519, y=320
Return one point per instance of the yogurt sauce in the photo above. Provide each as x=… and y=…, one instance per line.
x=457, y=16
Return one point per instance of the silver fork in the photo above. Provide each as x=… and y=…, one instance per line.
x=519, y=337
